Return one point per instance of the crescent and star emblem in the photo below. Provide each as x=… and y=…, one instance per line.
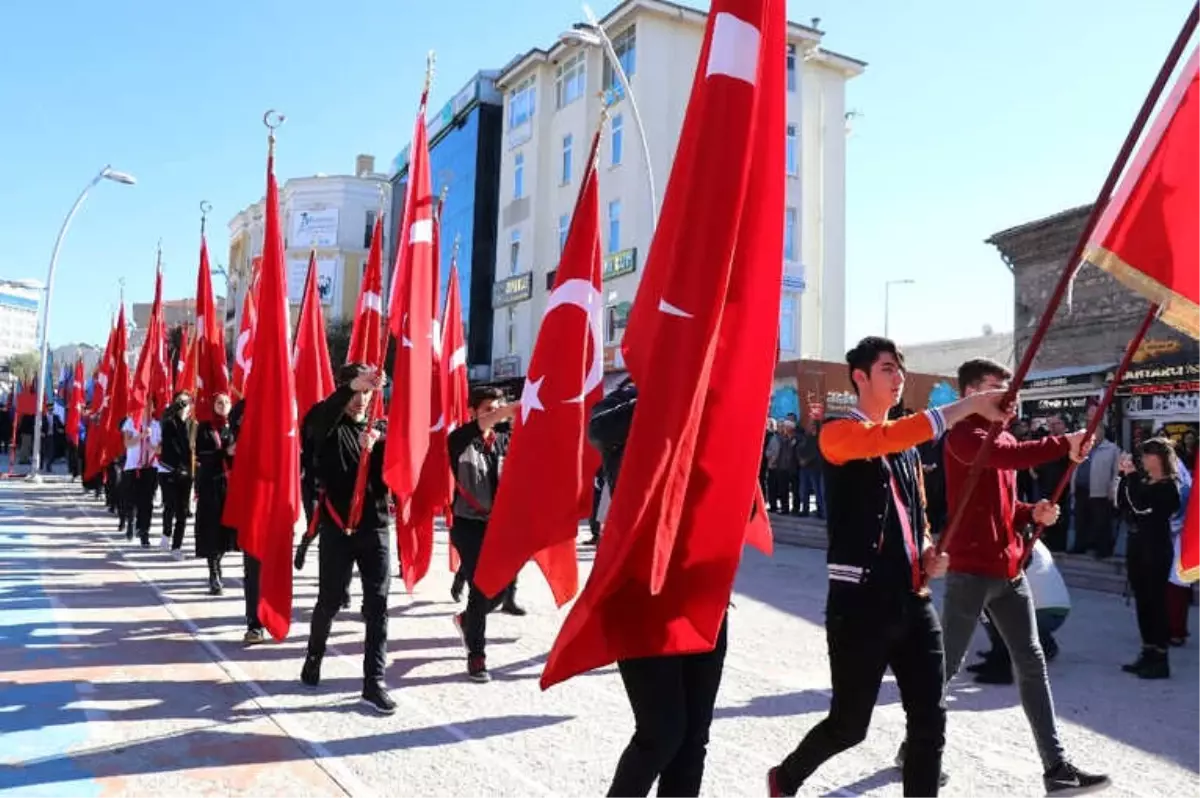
x=242, y=342
x=585, y=296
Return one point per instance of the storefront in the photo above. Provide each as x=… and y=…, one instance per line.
x=1063, y=392
x=1160, y=394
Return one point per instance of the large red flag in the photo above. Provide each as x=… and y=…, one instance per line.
x=366, y=339
x=411, y=320
x=701, y=350
x=243, y=353
x=310, y=355
x=208, y=348
x=147, y=376
x=267, y=465
x=103, y=374
x=180, y=366
x=75, y=403
x=1147, y=236
x=550, y=467
x=433, y=494
x=116, y=409
x=454, y=358
x=101, y=393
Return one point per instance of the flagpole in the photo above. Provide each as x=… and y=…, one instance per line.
x=1073, y=264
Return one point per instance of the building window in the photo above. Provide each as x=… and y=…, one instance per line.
x=617, y=139
x=519, y=175
x=791, y=68
x=510, y=336
x=614, y=226
x=522, y=103
x=793, y=162
x=568, y=146
x=514, y=252
x=789, y=235
x=625, y=46
x=571, y=81
x=787, y=323
x=369, y=229
x=564, y=225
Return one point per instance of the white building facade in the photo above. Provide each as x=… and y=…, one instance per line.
x=552, y=102
x=335, y=214
x=18, y=319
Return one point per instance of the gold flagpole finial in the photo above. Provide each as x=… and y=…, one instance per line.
x=272, y=119
x=205, y=208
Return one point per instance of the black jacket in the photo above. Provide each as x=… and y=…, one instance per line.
x=476, y=467
x=176, y=453
x=337, y=451
x=608, y=429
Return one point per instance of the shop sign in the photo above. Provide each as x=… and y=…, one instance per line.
x=1181, y=372
x=1187, y=404
x=1155, y=348
x=512, y=290
x=619, y=263
x=506, y=368
x=1059, y=382
x=841, y=399
x=1033, y=407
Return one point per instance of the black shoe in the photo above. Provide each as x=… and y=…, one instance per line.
x=377, y=697
x=1178, y=642
x=988, y=661
x=1066, y=779
x=1156, y=666
x=477, y=669
x=512, y=608
x=943, y=777
x=310, y=674
x=995, y=676
x=1137, y=664
x=301, y=553
x=456, y=590
x=594, y=540
x=1050, y=651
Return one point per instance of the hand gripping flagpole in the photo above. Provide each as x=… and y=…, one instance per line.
x=1073, y=264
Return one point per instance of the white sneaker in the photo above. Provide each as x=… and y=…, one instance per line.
x=164, y=543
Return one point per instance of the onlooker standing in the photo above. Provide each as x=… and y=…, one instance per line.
x=1093, y=489
x=812, y=477
x=1179, y=593
x=1048, y=476
x=783, y=465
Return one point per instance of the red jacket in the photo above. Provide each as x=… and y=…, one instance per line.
x=988, y=543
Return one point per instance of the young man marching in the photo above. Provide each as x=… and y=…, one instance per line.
x=879, y=614
x=338, y=426
x=986, y=559
x=477, y=451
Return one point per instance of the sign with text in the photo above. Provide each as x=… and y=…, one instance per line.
x=506, y=368
x=313, y=228
x=619, y=263
x=512, y=290
x=327, y=279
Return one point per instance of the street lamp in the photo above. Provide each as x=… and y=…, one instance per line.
x=107, y=173
x=591, y=34
x=887, y=301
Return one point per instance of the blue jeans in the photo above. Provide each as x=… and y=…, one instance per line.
x=812, y=481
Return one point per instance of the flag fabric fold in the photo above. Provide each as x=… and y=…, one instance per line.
x=1147, y=236
x=75, y=403
x=701, y=350
x=243, y=353
x=209, y=371
x=366, y=338
x=310, y=354
x=550, y=466
x=454, y=360
x=151, y=376
x=266, y=467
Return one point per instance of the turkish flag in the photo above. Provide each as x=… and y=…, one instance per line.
x=266, y=469
x=1146, y=237
x=411, y=321
x=103, y=375
x=310, y=356
x=148, y=376
x=75, y=403
x=454, y=358
x=210, y=375
x=701, y=348
x=182, y=358
x=116, y=408
x=550, y=467
x=243, y=353
x=103, y=378
x=366, y=339
x=434, y=491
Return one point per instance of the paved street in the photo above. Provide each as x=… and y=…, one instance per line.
x=119, y=675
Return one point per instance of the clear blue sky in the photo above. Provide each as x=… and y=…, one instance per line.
x=975, y=118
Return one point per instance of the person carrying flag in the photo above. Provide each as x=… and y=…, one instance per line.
x=879, y=612
x=339, y=429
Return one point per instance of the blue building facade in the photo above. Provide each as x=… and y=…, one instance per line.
x=464, y=159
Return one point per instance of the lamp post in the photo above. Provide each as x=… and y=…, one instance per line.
x=591, y=34
x=107, y=173
x=887, y=302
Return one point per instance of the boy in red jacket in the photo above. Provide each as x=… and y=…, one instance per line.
x=985, y=564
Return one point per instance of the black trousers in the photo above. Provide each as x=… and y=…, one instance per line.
x=112, y=487
x=251, y=574
x=74, y=461
x=1149, y=562
x=1094, y=526
x=467, y=537
x=137, y=506
x=177, y=497
x=672, y=699
x=869, y=631
x=339, y=553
